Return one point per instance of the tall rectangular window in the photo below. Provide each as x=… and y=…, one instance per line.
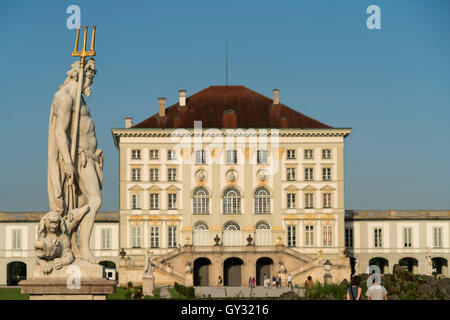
x=16, y=239
x=290, y=174
x=154, y=237
x=437, y=237
x=136, y=234
x=154, y=154
x=309, y=200
x=172, y=200
x=327, y=236
x=154, y=174
x=291, y=235
x=154, y=201
x=106, y=238
x=291, y=200
x=309, y=235
x=349, y=237
x=135, y=174
x=407, y=239
x=172, y=174
x=326, y=154
x=378, y=238
x=136, y=154
x=309, y=174
x=172, y=236
x=327, y=200
x=171, y=154
x=326, y=174
x=231, y=156
x=309, y=154
x=290, y=154
x=200, y=156
x=136, y=201
x=262, y=157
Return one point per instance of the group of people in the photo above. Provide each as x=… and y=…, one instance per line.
x=374, y=292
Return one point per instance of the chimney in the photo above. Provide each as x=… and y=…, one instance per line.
x=182, y=98
x=162, y=107
x=128, y=122
x=276, y=96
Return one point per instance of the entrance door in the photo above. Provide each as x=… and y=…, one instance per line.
x=232, y=271
x=263, y=266
x=201, y=272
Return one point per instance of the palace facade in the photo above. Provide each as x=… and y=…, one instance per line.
x=228, y=182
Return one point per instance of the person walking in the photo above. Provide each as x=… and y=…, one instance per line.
x=354, y=292
x=265, y=280
x=376, y=291
x=290, y=281
x=219, y=281
x=253, y=282
x=250, y=282
x=309, y=283
x=274, y=281
x=279, y=281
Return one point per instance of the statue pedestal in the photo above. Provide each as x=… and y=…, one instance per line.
x=78, y=281
x=148, y=285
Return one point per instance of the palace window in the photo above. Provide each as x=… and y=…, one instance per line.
x=327, y=200
x=106, y=238
x=154, y=154
x=172, y=200
x=154, y=237
x=407, y=239
x=231, y=156
x=232, y=234
x=262, y=157
x=327, y=236
x=263, y=236
x=291, y=200
x=16, y=239
x=309, y=200
x=290, y=174
x=200, y=156
x=349, y=237
x=290, y=154
x=309, y=174
x=136, y=201
x=201, y=234
x=262, y=200
x=171, y=154
x=291, y=235
x=154, y=174
x=309, y=235
x=378, y=238
x=154, y=201
x=136, y=234
x=201, y=201
x=437, y=237
x=172, y=236
x=135, y=174
x=231, y=201
x=172, y=174
x=326, y=174
x=326, y=153
x=135, y=154
x=308, y=153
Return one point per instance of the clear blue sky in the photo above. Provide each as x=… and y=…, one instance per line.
x=392, y=86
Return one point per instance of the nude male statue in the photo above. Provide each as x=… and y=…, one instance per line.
x=73, y=184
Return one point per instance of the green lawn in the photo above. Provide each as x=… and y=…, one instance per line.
x=119, y=294
x=12, y=294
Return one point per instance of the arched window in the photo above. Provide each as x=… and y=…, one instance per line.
x=232, y=234
x=263, y=234
x=231, y=201
x=201, y=201
x=262, y=200
x=201, y=234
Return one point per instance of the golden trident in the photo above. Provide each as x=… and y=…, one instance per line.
x=83, y=54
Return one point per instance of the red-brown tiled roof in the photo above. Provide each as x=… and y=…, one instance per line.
x=230, y=107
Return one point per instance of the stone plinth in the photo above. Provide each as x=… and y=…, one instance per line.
x=79, y=281
x=148, y=285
